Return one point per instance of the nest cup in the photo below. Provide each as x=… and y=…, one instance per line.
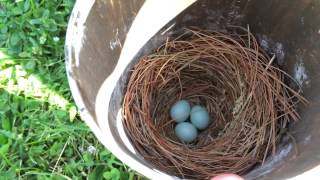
x=97, y=77
x=228, y=73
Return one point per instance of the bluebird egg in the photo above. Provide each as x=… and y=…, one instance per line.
x=186, y=132
x=197, y=108
x=180, y=111
x=199, y=117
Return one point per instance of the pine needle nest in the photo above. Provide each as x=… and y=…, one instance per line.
x=229, y=74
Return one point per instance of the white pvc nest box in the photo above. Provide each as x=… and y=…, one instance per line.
x=105, y=38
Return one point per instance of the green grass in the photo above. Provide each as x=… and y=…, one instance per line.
x=41, y=133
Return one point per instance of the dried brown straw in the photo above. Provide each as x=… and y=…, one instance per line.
x=231, y=76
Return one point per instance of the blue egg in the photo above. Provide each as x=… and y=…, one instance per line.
x=197, y=108
x=186, y=132
x=180, y=111
x=199, y=117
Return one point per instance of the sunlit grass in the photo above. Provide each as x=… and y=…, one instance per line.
x=16, y=80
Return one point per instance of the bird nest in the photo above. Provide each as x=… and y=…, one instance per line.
x=238, y=83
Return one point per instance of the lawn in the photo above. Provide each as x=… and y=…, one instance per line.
x=41, y=133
